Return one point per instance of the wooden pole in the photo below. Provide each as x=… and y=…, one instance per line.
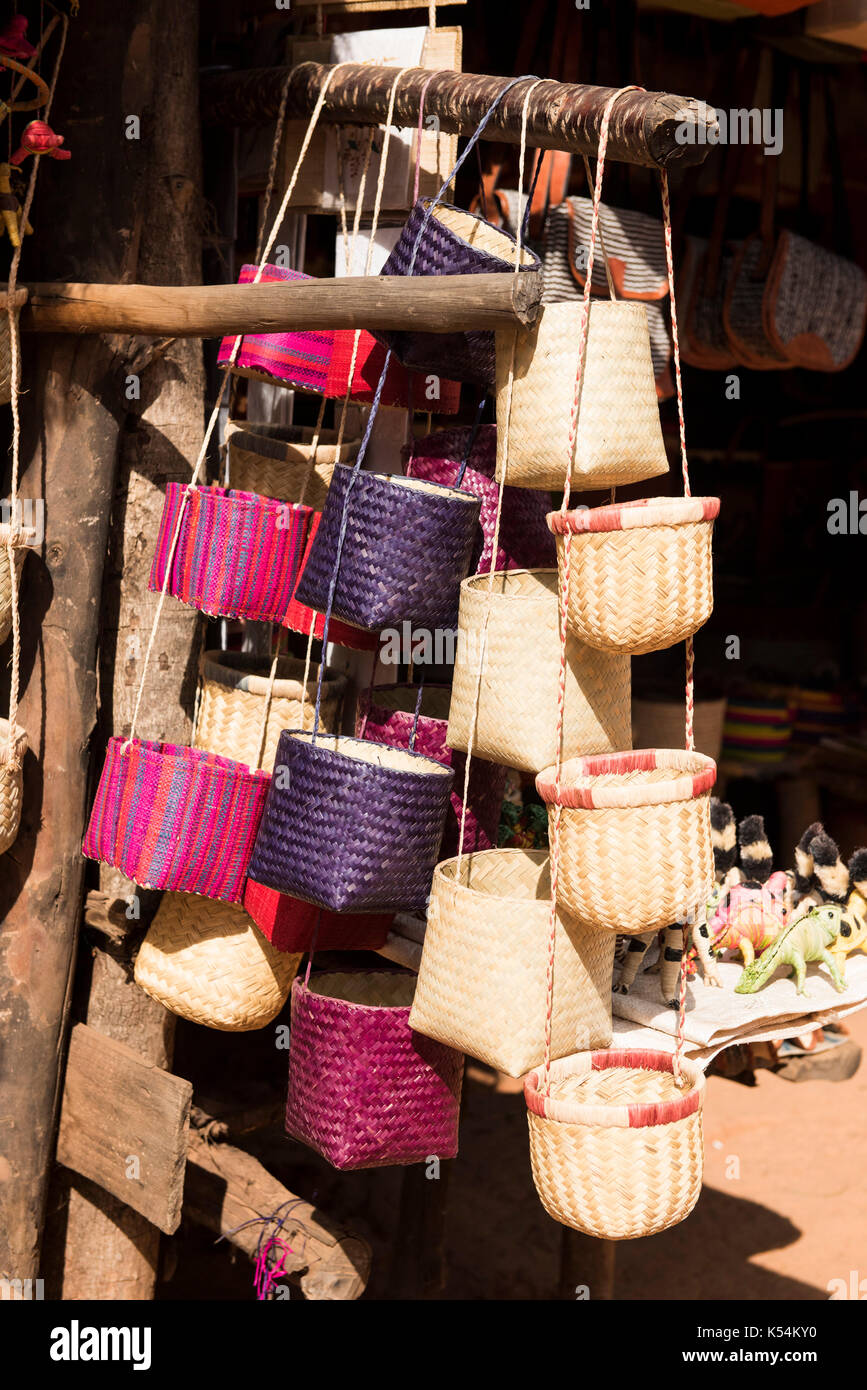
x=432, y=304
x=654, y=129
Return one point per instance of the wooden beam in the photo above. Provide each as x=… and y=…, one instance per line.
x=431, y=304
x=561, y=115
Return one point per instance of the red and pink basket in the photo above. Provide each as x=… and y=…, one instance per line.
x=291, y=925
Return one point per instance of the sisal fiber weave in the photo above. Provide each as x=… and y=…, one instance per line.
x=18, y=551
x=279, y=461
x=11, y=783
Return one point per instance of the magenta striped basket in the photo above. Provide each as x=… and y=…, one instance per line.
x=175, y=817
x=300, y=359
x=238, y=554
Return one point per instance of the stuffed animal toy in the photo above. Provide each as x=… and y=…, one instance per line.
x=39, y=138
x=14, y=41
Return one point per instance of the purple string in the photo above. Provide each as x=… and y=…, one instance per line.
x=472, y=439
x=417, y=712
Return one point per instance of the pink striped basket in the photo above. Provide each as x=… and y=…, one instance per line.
x=299, y=359
x=238, y=554
x=176, y=817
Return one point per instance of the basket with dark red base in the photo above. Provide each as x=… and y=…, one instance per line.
x=290, y=924
x=365, y=1091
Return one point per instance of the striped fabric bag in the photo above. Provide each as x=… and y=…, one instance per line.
x=174, y=817
x=238, y=554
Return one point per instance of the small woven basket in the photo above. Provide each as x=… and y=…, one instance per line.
x=206, y=962
x=176, y=817
x=619, y=436
x=660, y=724
x=407, y=547
x=238, y=555
x=518, y=691
x=482, y=980
x=280, y=461
x=453, y=243
x=291, y=925
x=641, y=573
x=300, y=618
x=11, y=783
x=616, y=1146
x=635, y=848
x=233, y=699
x=351, y=826
x=389, y=718
x=365, y=1091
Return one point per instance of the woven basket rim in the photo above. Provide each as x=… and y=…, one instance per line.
x=529, y=259
x=369, y=745
x=693, y=775
x=12, y=750
x=242, y=501
x=216, y=762
x=285, y=437
x=226, y=668
x=304, y=988
x=420, y=486
x=640, y=1115
x=446, y=871
x=476, y=582
x=627, y=516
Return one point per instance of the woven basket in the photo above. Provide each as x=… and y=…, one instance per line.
x=815, y=304
x=635, y=850
x=660, y=724
x=232, y=703
x=524, y=541
x=18, y=553
x=641, y=575
x=279, y=461
x=238, y=555
x=299, y=359
x=176, y=817
x=403, y=389
x=616, y=1147
x=453, y=243
x=299, y=617
x=11, y=784
x=354, y=826
x=482, y=980
x=365, y=1091
x=619, y=437
x=743, y=309
x=517, y=697
x=206, y=962
x=389, y=717
x=408, y=545
x=291, y=925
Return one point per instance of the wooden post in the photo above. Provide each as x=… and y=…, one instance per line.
x=586, y=1267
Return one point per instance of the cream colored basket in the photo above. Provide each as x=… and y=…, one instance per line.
x=207, y=962
x=635, y=848
x=517, y=695
x=619, y=436
x=660, y=724
x=233, y=697
x=280, y=461
x=482, y=980
x=616, y=1146
x=11, y=783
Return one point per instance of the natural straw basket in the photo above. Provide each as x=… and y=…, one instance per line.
x=619, y=436
x=660, y=723
x=635, y=849
x=616, y=1146
x=11, y=783
x=280, y=461
x=233, y=698
x=481, y=984
x=518, y=692
x=641, y=575
x=206, y=962
x=365, y=1091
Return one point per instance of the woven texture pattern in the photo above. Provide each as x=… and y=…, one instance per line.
x=299, y=359
x=238, y=555
x=5, y=363
x=389, y=719
x=743, y=310
x=279, y=461
x=402, y=388
x=351, y=826
x=619, y=437
x=6, y=580
x=815, y=305
x=614, y=1182
x=175, y=817
x=290, y=925
x=299, y=617
x=233, y=701
x=408, y=545
x=11, y=785
x=481, y=984
x=454, y=243
x=524, y=541
x=517, y=700
x=206, y=962
x=365, y=1091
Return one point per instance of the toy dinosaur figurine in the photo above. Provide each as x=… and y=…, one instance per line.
x=807, y=938
x=39, y=138
x=839, y=894
x=749, y=915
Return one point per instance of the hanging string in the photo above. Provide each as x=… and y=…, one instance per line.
x=417, y=178
x=476, y=426
x=414, y=730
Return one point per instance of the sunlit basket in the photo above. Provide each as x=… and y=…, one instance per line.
x=280, y=461
x=11, y=783
x=616, y=1146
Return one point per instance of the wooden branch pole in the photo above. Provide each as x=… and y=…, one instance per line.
x=433, y=304
x=561, y=115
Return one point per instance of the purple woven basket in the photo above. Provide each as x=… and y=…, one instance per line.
x=454, y=242
x=389, y=717
x=524, y=541
x=365, y=1090
x=407, y=547
x=351, y=826
x=238, y=554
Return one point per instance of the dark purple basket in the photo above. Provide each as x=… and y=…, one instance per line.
x=347, y=833
x=389, y=717
x=365, y=1090
x=446, y=250
x=407, y=548
x=524, y=541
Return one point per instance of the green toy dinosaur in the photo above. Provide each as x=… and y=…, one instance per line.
x=806, y=939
